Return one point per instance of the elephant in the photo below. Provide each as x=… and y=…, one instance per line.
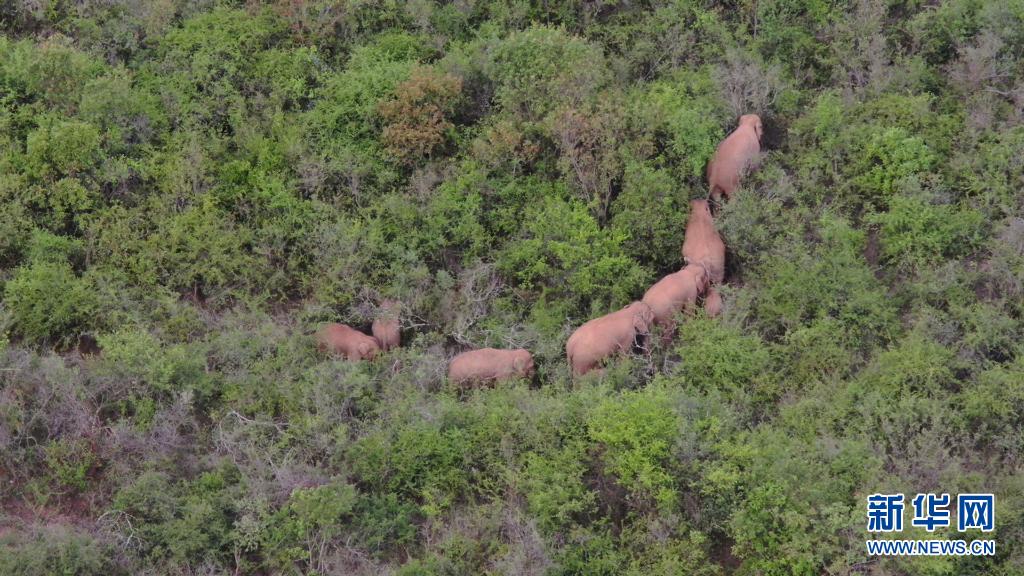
x=713, y=303
x=613, y=333
x=489, y=365
x=702, y=244
x=737, y=154
x=675, y=293
x=347, y=341
x=387, y=326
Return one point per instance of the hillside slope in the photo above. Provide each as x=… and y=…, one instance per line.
x=190, y=187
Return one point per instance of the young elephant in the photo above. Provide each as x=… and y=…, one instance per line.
x=387, y=326
x=346, y=341
x=489, y=365
x=673, y=294
x=610, y=334
x=713, y=303
x=737, y=154
x=702, y=244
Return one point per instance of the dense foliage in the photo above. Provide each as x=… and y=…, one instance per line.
x=189, y=187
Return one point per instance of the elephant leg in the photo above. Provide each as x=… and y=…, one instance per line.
x=668, y=333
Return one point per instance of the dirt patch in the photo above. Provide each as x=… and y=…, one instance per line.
x=721, y=553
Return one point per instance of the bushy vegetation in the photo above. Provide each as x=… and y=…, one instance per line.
x=189, y=187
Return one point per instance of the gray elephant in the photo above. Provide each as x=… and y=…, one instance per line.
x=387, y=326
x=346, y=341
x=606, y=336
x=490, y=365
x=676, y=293
x=702, y=244
x=736, y=155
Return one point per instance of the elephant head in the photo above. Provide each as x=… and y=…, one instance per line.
x=643, y=318
x=754, y=121
x=368, y=348
x=523, y=363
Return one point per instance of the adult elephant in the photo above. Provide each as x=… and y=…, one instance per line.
x=347, y=342
x=675, y=293
x=606, y=336
x=736, y=155
x=490, y=365
x=702, y=244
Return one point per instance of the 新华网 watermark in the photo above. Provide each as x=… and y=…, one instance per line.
x=931, y=512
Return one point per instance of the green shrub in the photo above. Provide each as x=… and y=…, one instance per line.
x=128, y=115
x=988, y=171
x=989, y=333
x=59, y=204
x=386, y=524
x=636, y=432
x=57, y=550
x=346, y=120
x=593, y=552
x=688, y=111
x=311, y=515
x=883, y=159
x=48, y=302
x=69, y=462
x=207, y=64
x=537, y=69
x=939, y=32
x=917, y=365
x=156, y=369
x=53, y=72
x=833, y=280
x=44, y=246
x=993, y=406
x=456, y=216
x=720, y=358
x=793, y=499
x=63, y=148
x=553, y=485
x=648, y=213
x=200, y=250
x=915, y=232
x=420, y=461
x=562, y=254
x=789, y=31
x=15, y=229
x=187, y=522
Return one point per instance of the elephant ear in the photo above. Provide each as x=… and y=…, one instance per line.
x=640, y=324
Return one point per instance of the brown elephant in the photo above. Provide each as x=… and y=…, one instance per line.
x=702, y=244
x=346, y=341
x=608, y=335
x=387, y=326
x=675, y=293
x=713, y=303
x=489, y=365
x=736, y=155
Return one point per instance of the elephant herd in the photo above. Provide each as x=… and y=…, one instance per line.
x=613, y=334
